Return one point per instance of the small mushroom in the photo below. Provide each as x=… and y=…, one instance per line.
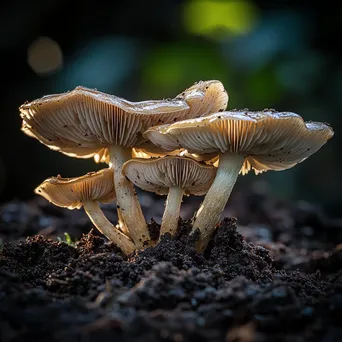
x=87, y=191
x=244, y=140
x=174, y=176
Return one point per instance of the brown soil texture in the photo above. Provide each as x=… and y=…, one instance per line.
x=276, y=282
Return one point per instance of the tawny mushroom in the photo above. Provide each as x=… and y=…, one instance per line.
x=244, y=140
x=173, y=175
x=85, y=123
x=87, y=191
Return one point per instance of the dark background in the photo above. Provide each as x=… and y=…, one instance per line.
x=271, y=54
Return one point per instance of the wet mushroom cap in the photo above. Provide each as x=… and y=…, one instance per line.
x=72, y=192
x=268, y=140
x=84, y=121
x=159, y=174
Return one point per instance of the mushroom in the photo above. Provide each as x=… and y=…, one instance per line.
x=244, y=140
x=87, y=123
x=87, y=191
x=171, y=175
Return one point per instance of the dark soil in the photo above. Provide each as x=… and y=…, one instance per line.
x=281, y=281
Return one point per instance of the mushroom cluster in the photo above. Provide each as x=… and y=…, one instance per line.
x=189, y=145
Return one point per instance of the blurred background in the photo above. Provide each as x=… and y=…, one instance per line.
x=269, y=54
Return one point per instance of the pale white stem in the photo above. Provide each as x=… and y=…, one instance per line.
x=126, y=198
x=121, y=222
x=216, y=198
x=101, y=222
x=171, y=213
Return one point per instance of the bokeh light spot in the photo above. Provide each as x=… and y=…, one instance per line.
x=171, y=67
x=44, y=56
x=218, y=19
x=103, y=63
x=263, y=87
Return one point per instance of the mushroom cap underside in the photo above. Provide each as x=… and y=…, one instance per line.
x=72, y=192
x=267, y=139
x=159, y=174
x=86, y=119
x=82, y=122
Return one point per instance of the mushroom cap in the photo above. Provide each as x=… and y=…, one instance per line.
x=205, y=97
x=72, y=192
x=268, y=140
x=159, y=174
x=84, y=121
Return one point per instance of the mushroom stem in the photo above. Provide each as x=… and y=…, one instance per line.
x=127, y=199
x=101, y=222
x=208, y=215
x=171, y=213
x=121, y=222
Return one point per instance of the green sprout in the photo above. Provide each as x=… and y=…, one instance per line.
x=67, y=239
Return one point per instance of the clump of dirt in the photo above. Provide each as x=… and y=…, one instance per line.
x=236, y=291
